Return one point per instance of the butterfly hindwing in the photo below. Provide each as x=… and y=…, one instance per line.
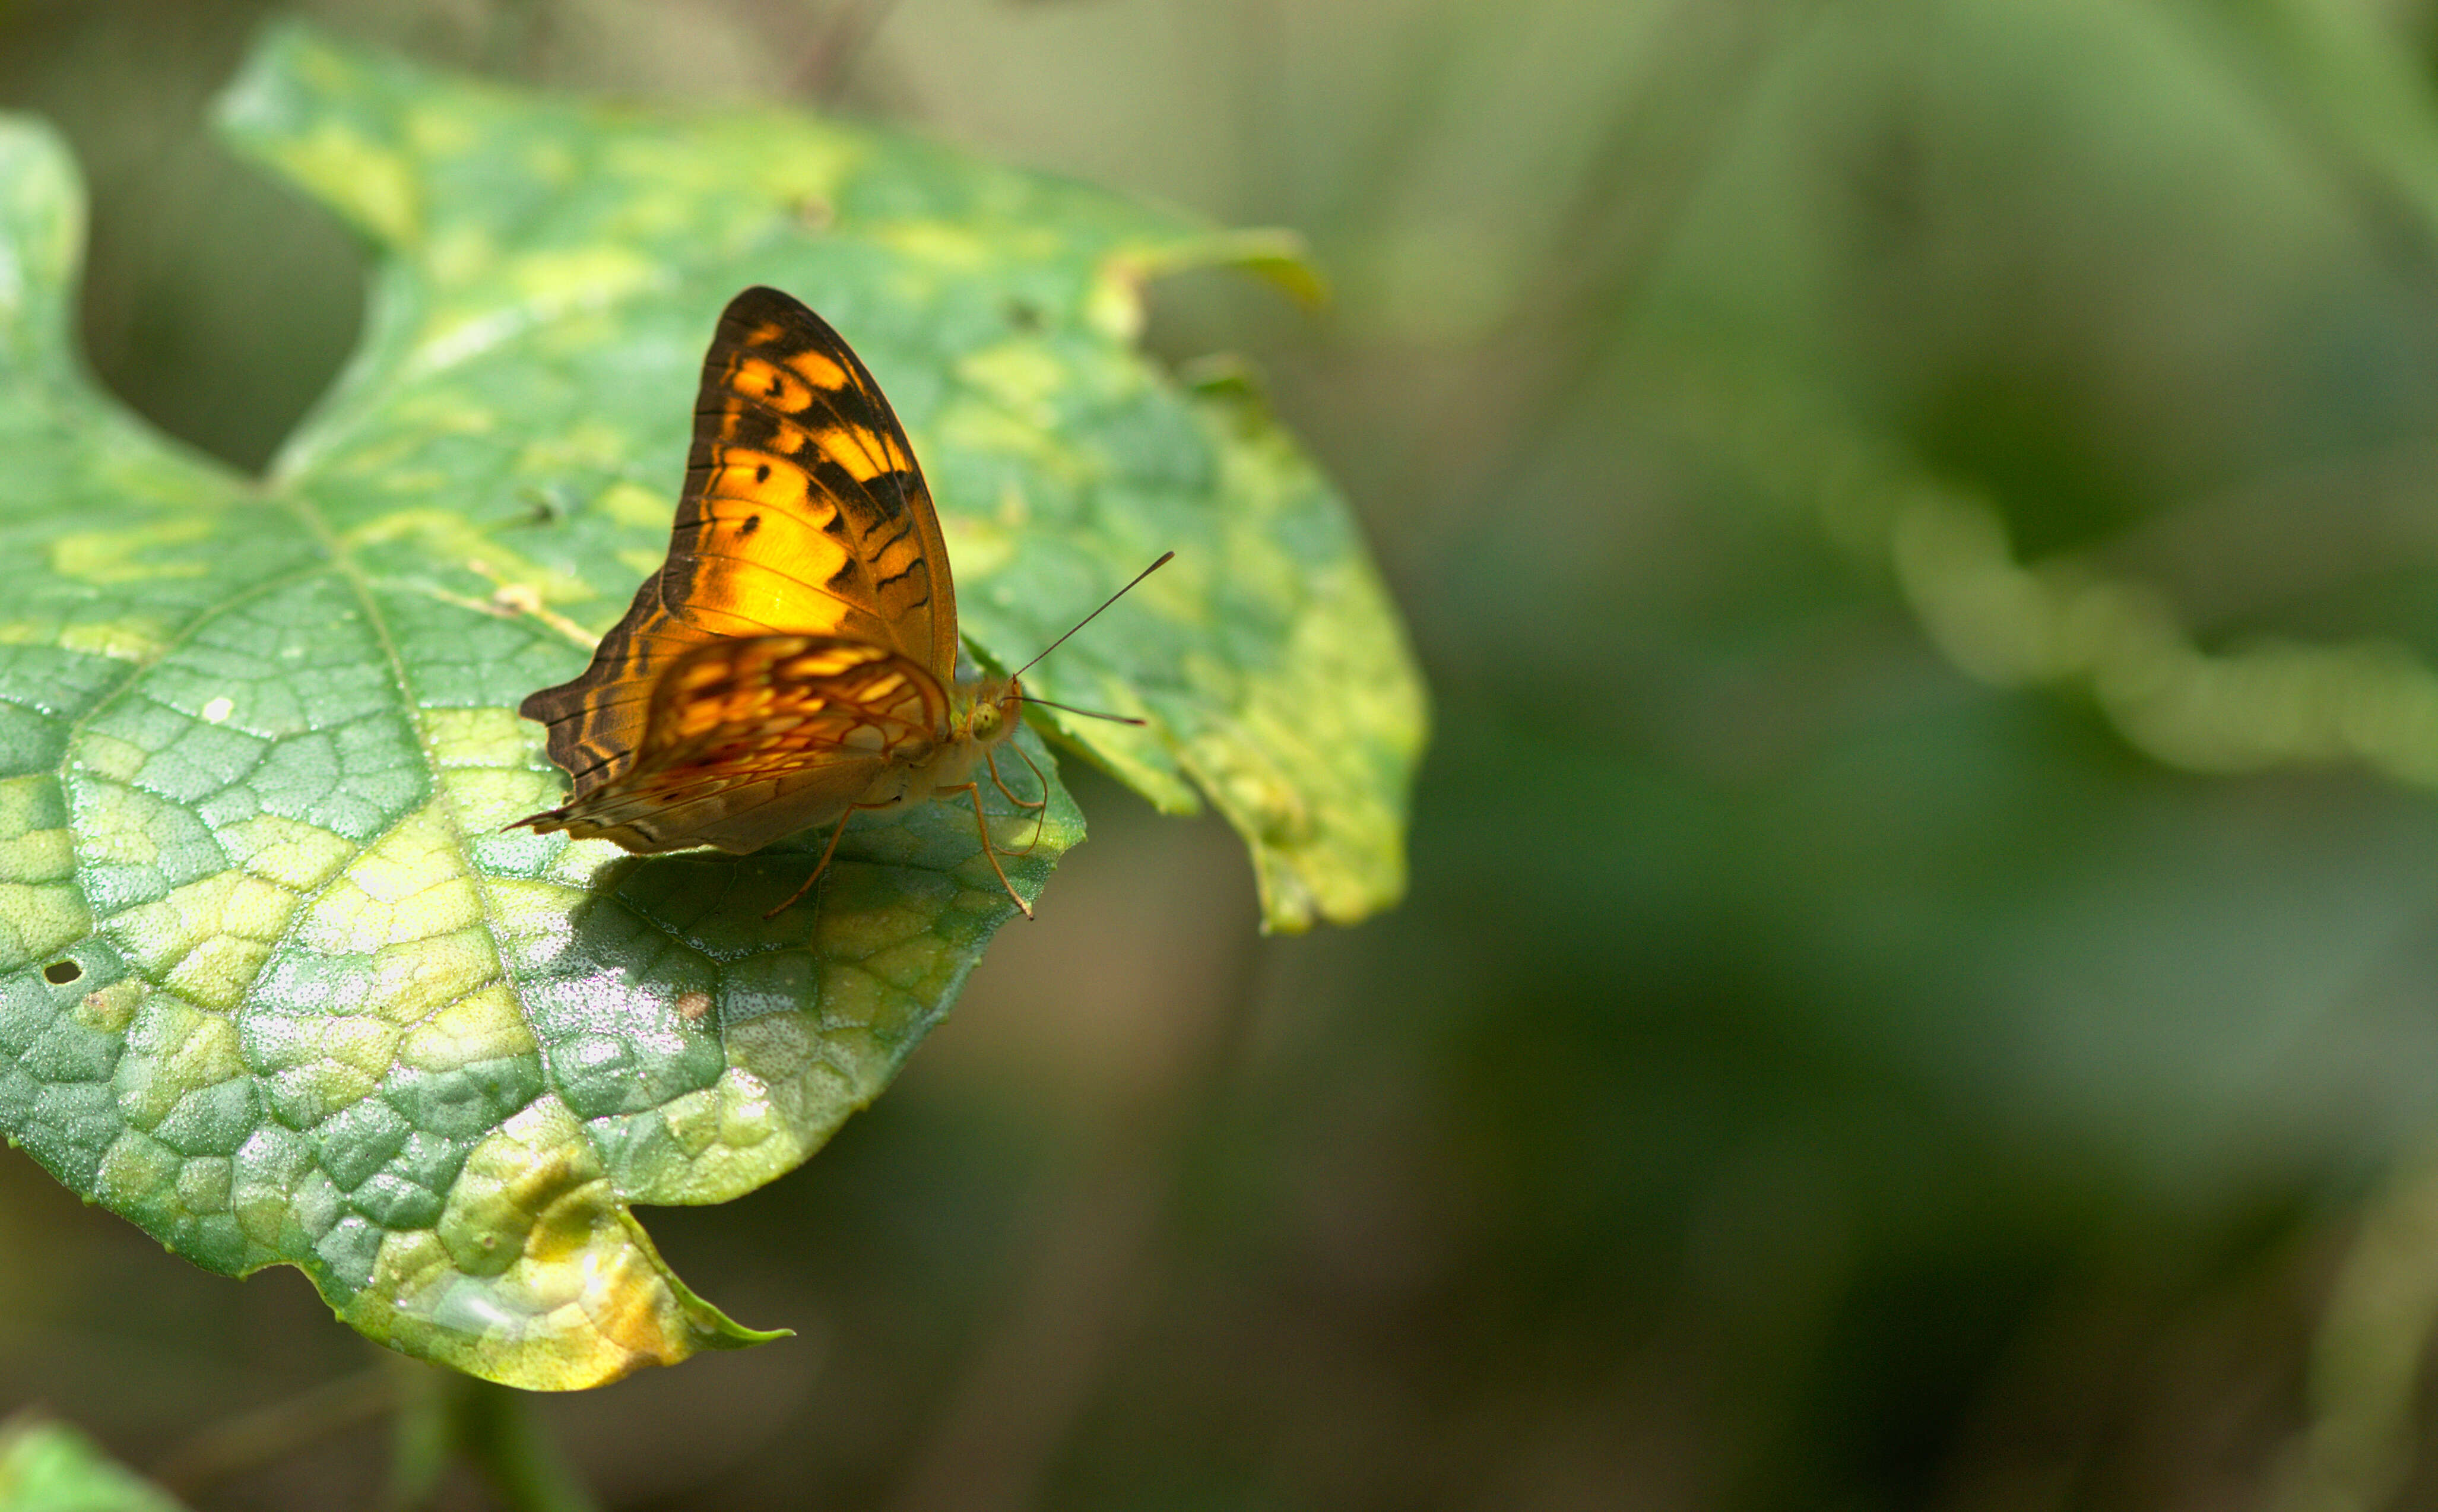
x=804, y=514
x=750, y=738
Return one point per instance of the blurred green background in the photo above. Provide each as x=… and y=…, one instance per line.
x=1923, y=517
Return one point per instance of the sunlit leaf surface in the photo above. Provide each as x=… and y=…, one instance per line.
x=275, y=983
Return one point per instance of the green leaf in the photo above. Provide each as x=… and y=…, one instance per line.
x=46, y=1467
x=273, y=983
x=554, y=270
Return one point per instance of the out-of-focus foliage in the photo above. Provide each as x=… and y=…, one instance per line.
x=47, y=1467
x=1917, y=992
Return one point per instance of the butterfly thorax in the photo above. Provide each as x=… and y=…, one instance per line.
x=985, y=716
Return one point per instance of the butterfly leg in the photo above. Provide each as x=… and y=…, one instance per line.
x=990, y=853
x=1040, y=809
x=1001, y=782
x=828, y=851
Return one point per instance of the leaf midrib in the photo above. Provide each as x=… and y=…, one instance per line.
x=345, y=563
x=336, y=561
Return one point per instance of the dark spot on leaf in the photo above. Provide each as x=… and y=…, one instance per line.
x=543, y=506
x=61, y=973
x=1024, y=314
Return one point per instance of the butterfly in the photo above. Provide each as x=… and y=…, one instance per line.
x=793, y=661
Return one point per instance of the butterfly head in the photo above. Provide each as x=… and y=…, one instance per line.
x=991, y=716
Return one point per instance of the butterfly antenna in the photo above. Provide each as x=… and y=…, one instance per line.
x=1164, y=559
x=1088, y=713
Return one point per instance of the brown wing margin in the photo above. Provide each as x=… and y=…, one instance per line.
x=596, y=720
x=803, y=511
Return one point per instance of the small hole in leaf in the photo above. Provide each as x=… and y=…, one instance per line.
x=61, y=973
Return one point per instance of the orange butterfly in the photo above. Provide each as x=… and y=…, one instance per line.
x=794, y=659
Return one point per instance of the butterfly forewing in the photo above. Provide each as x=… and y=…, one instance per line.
x=803, y=509
x=751, y=738
x=804, y=514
